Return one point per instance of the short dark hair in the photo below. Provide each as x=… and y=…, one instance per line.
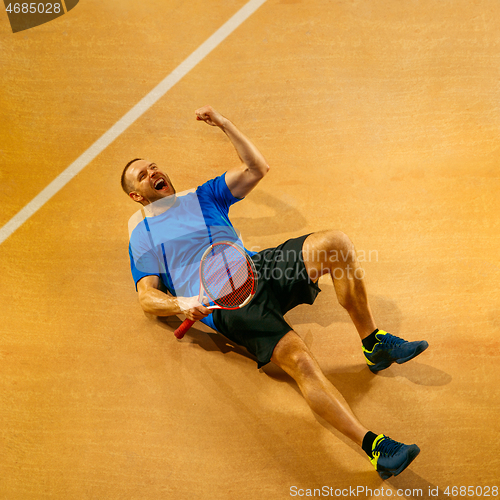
x=125, y=184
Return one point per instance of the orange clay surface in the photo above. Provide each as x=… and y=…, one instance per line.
x=379, y=118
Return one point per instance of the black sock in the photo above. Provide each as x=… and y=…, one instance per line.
x=370, y=341
x=368, y=443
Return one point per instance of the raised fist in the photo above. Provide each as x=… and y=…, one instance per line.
x=210, y=116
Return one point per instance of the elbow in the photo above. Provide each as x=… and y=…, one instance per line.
x=256, y=170
x=144, y=303
x=263, y=169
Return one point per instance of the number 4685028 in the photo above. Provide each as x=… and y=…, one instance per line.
x=471, y=491
x=34, y=8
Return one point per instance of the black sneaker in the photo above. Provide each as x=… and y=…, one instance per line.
x=390, y=349
x=390, y=458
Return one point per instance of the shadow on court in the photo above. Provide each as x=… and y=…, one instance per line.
x=285, y=217
x=326, y=310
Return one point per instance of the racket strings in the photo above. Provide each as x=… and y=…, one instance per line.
x=228, y=277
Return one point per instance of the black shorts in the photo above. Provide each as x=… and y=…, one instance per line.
x=283, y=283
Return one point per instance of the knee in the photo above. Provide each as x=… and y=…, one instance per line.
x=294, y=357
x=304, y=366
x=338, y=241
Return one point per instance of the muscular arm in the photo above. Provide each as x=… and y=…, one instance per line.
x=242, y=179
x=154, y=301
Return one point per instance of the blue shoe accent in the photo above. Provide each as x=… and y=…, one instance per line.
x=390, y=458
x=391, y=349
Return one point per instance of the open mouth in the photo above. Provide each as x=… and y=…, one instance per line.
x=160, y=184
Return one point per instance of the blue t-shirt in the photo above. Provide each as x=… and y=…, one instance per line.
x=170, y=242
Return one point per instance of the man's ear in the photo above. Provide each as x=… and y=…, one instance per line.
x=136, y=196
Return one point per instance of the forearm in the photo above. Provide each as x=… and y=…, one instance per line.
x=247, y=151
x=242, y=179
x=154, y=301
x=158, y=303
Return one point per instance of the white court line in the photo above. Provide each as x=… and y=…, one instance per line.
x=136, y=112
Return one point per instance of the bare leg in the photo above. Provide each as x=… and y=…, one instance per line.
x=295, y=358
x=333, y=252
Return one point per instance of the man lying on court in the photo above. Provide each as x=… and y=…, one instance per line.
x=165, y=249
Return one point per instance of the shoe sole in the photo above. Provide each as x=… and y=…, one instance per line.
x=411, y=455
x=385, y=364
x=419, y=350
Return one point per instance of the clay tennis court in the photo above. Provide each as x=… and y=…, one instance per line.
x=378, y=118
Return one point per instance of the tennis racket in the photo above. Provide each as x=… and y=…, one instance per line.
x=228, y=278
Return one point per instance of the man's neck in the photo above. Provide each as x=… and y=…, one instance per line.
x=159, y=207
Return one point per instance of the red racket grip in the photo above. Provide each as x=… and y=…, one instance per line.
x=185, y=326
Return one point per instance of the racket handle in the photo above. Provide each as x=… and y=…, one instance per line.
x=185, y=326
